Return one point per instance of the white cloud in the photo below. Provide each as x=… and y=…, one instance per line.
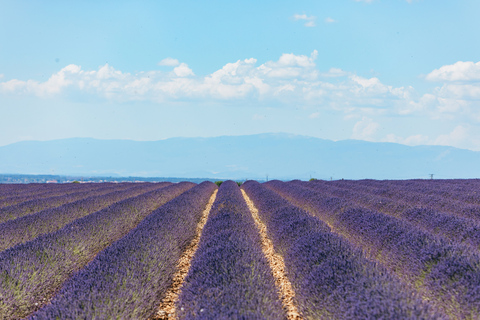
x=257, y=117
x=302, y=17
x=291, y=66
x=413, y=140
x=309, y=20
x=460, y=91
x=365, y=129
x=459, y=95
x=334, y=73
x=169, y=62
x=461, y=136
x=105, y=72
x=314, y=115
x=292, y=78
x=456, y=137
x=330, y=20
x=52, y=86
x=459, y=71
x=183, y=70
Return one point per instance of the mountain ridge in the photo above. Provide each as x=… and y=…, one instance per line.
x=278, y=155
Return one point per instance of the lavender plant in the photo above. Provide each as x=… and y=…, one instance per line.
x=36, y=205
x=128, y=279
x=20, y=193
x=450, y=274
x=451, y=227
x=332, y=279
x=229, y=277
x=32, y=272
x=27, y=228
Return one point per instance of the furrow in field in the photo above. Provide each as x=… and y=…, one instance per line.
x=52, y=190
x=128, y=279
x=229, y=277
x=167, y=310
x=27, y=228
x=332, y=278
x=36, y=205
x=33, y=272
x=448, y=275
x=277, y=265
x=444, y=224
x=16, y=192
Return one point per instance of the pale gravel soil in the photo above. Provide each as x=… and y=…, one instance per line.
x=284, y=287
x=166, y=309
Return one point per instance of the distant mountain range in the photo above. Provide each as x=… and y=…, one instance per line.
x=280, y=156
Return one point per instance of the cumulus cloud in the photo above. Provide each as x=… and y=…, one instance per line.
x=413, y=140
x=459, y=71
x=52, y=86
x=309, y=20
x=330, y=20
x=365, y=129
x=334, y=73
x=291, y=66
x=183, y=70
x=169, y=62
x=460, y=91
x=457, y=97
x=455, y=137
x=292, y=78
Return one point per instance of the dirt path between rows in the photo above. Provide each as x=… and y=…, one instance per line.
x=166, y=310
x=277, y=265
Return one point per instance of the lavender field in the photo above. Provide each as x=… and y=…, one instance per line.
x=364, y=249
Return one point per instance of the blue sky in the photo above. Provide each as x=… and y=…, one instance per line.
x=380, y=70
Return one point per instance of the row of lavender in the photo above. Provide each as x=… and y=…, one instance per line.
x=458, y=224
x=229, y=277
x=436, y=193
x=12, y=194
x=445, y=272
x=33, y=271
x=450, y=223
x=331, y=277
x=53, y=200
x=108, y=264
x=31, y=226
x=129, y=278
